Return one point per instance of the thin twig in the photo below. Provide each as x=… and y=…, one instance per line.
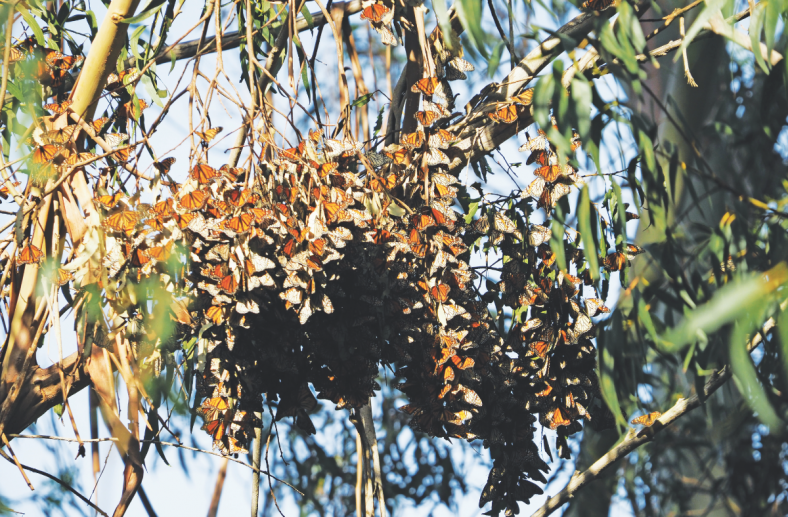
x=18, y=465
x=59, y=481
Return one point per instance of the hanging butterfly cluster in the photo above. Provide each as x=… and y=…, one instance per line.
x=313, y=270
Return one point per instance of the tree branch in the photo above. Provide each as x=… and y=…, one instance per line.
x=480, y=135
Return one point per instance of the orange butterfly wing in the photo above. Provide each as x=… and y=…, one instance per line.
x=30, y=254
x=204, y=173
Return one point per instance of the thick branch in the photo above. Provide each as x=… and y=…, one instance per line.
x=42, y=392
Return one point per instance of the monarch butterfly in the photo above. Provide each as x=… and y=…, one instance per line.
x=327, y=168
x=399, y=156
x=461, y=64
x=194, y=200
x=5, y=190
x=423, y=220
x=374, y=12
x=633, y=250
x=597, y=5
x=551, y=195
x=211, y=406
x=435, y=156
x=426, y=118
x=62, y=277
x=448, y=374
x=314, y=262
x=231, y=173
x=289, y=248
x=229, y=284
x=124, y=221
x=238, y=198
x=241, y=223
x=541, y=156
x=442, y=139
x=426, y=86
x=545, y=392
x=99, y=123
x=331, y=211
x=614, y=261
x=16, y=54
x=208, y=135
x=30, y=254
x=539, y=142
x=46, y=153
x=122, y=155
x=557, y=419
x=215, y=314
x=595, y=305
x=440, y=293
x=215, y=428
x=506, y=115
x=317, y=246
x=160, y=253
x=646, y=420
x=165, y=165
x=118, y=80
x=204, y=173
x=184, y=220
x=463, y=363
x=60, y=136
x=129, y=110
x=386, y=183
x=80, y=158
x=109, y=201
x=57, y=60
x=550, y=173
x=540, y=348
x=59, y=108
x=139, y=257
x=457, y=418
x=525, y=98
x=386, y=36
x=115, y=139
x=413, y=140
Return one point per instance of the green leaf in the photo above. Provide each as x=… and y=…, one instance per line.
x=774, y=10
x=586, y=234
x=606, y=368
x=756, y=26
x=472, y=209
x=495, y=59
x=620, y=224
x=711, y=8
x=725, y=306
x=134, y=41
x=308, y=17
x=363, y=100
x=59, y=410
x=152, y=91
x=782, y=328
x=543, y=94
x=582, y=96
x=39, y=34
x=470, y=13
x=744, y=371
x=144, y=14
x=557, y=243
